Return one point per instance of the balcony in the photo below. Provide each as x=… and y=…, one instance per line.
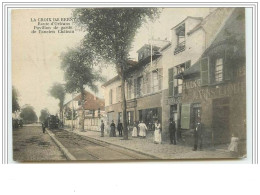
x=180, y=47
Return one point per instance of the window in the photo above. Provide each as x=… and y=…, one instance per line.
x=170, y=81
x=173, y=112
x=139, y=86
x=111, y=96
x=130, y=89
x=185, y=116
x=155, y=81
x=118, y=94
x=218, y=70
x=178, y=86
x=119, y=118
x=180, y=33
x=130, y=118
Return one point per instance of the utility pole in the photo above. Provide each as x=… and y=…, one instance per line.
x=72, y=113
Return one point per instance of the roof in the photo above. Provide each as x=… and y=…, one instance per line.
x=196, y=18
x=231, y=33
x=111, y=81
x=92, y=102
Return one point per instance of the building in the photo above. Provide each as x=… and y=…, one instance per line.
x=93, y=108
x=163, y=82
x=190, y=38
x=143, y=88
x=214, y=88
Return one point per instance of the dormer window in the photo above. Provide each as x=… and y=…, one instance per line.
x=180, y=33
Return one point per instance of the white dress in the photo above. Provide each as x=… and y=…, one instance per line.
x=143, y=129
x=134, y=133
x=233, y=144
x=157, y=133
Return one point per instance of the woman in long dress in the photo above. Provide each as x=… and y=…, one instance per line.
x=112, y=130
x=134, y=133
x=143, y=129
x=157, y=133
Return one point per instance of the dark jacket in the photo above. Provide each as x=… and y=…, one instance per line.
x=172, y=127
x=119, y=126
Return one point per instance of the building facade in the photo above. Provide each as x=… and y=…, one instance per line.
x=169, y=82
x=93, y=109
x=214, y=90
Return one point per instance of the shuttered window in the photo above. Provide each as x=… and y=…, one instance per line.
x=204, y=69
x=228, y=69
x=170, y=81
x=185, y=116
x=148, y=75
x=160, y=74
x=135, y=88
x=110, y=96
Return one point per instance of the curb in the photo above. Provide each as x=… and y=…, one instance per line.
x=64, y=150
x=97, y=140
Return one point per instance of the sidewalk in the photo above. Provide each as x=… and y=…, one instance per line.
x=162, y=151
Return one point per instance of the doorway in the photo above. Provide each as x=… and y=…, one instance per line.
x=220, y=121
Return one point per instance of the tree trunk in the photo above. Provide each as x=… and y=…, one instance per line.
x=123, y=99
x=83, y=110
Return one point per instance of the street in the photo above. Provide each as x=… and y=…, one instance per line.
x=30, y=144
x=86, y=148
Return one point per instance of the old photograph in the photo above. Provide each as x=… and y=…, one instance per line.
x=128, y=84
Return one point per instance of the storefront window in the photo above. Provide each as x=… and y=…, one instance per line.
x=130, y=118
x=149, y=116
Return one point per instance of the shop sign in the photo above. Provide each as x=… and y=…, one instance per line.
x=216, y=91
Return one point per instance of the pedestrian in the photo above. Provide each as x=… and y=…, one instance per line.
x=120, y=128
x=43, y=127
x=143, y=129
x=134, y=133
x=172, y=131
x=102, y=128
x=157, y=132
x=233, y=147
x=112, y=129
x=198, y=135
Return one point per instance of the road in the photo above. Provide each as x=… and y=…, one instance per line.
x=30, y=144
x=86, y=148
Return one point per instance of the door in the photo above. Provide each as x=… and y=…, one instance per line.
x=220, y=122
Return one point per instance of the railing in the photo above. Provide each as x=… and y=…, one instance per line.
x=179, y=48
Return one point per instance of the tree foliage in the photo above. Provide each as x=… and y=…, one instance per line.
x=15, y=99
x=44, y=115
x=110, y=33
x=77, y=64
x=28, y=114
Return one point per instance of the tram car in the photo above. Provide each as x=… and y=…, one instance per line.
x=53, y=122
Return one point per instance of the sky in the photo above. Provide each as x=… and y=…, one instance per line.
x=36, y=57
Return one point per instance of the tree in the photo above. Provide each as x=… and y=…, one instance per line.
x=77, y=64
x=28, y=114
x=111, y=32
x=44, y=115
x=58, y=92
x=15, y=104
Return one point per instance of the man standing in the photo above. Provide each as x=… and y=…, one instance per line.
x=102, y=127
x=43, y=127
x=198, y=135
x=172, y=131
x=120, y=128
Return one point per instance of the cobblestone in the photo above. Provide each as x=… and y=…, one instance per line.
x=30, y=144
x=164, y=150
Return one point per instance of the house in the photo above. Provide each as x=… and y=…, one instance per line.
x=214, y=88
x=143, y=88
x=190, y=38
x=93, y=108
